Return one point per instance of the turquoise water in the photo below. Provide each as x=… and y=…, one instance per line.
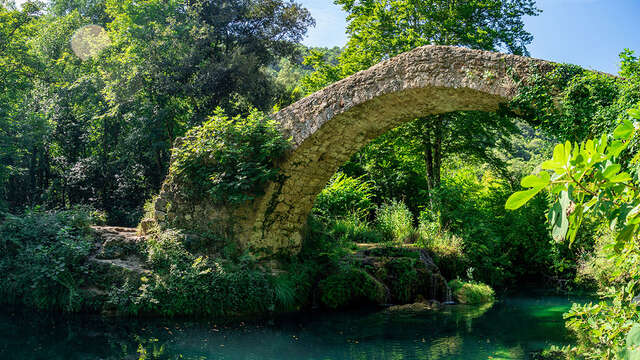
x=510, y=329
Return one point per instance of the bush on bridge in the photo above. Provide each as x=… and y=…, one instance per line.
x=230, y=159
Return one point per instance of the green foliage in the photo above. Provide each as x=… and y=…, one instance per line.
x=629, y=65
x=595, y=269
x=471, y=292
x=600, y=329
x=43, y=258
x=182, y=283
x=353, y=229
x=350, y=286
x=573, y=104
x=446, y=248
x=343, y=196
x=407, y=279
x=395, y=221
x=230, y=159
x=591, y=178
x=100, y=131
x=494, y=240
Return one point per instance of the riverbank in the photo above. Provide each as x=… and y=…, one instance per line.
x=59, y=261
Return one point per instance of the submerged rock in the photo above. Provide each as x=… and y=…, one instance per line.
x=417, y=306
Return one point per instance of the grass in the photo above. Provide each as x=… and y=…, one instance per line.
x=466, y=292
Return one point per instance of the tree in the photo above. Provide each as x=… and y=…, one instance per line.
x=186, y=58
x=380, y=29
x=18, y=67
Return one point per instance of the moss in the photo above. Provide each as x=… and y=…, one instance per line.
x=471, y=292
x=405, y=279
x=349, y=286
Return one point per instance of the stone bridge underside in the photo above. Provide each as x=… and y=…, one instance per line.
x=329, y=126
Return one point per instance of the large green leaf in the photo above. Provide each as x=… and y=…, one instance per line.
x=624, y=130
x=632, y=351
x=622, y=177
x=535, y=181
x=559, y=159
x=517, y=199
x=558, y=217
x=617, y=147
x=611, y=170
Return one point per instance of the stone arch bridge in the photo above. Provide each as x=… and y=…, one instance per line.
x=329, y=126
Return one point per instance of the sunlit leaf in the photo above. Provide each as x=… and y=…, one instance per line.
x=622, y=177
x=611, y=170
x=624, y=130
x=541, y=180
x=617, y=147
x=517, y=199
x=602, y=144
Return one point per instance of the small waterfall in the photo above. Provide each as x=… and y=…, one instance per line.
x=434, y=293
x=435, y=276
x=448, y=300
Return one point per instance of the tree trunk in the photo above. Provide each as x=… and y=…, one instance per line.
x=432, y=152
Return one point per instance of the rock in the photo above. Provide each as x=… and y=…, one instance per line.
x=418, y=306
x=408, y=273
x=117, y=258
x=116, y=242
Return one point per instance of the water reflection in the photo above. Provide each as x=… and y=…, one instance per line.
x=507, y=330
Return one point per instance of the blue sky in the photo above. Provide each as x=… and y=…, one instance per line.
x=590, y=33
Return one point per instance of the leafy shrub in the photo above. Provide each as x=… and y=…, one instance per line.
x=395, y=221
x=231, y=159
x=43, y=258
x=600, y=329
x=597, y=267
x=471, y=292
x=503, y=246
x=348, y=286
x=344, y=196
x=181, y=283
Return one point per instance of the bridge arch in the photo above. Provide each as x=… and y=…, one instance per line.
x=329, y=126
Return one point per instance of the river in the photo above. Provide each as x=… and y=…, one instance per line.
x=512, y=328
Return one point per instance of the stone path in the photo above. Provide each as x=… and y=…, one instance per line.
x=118, y=246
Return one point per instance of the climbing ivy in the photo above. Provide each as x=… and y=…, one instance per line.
x=230, y=159
x=571, y=103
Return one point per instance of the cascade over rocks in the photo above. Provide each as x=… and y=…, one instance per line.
x=329, y=126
